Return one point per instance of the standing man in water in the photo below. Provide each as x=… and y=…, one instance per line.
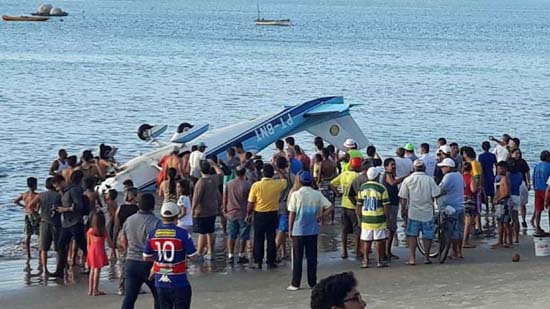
x=263, y=204
x=417, y=193
x=60, y=163
x=488, y=162
x=541, y=172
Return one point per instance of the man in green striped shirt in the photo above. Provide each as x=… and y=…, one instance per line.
x=374, y=202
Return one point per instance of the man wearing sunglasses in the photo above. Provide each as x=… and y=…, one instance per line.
x=337, y=291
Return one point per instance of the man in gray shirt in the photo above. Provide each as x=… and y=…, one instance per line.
x=134, y=234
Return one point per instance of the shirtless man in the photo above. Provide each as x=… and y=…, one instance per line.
x=93, y=197
x=240, y=152
x=327, y=172
x=502, y=206
x=60, y=163
x=71, y=161
x=32, y=219
x=88, y=166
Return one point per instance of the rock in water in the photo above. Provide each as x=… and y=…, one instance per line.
x=515, y=257
x=45, y=9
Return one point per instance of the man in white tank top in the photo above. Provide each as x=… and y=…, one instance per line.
x=60, y=163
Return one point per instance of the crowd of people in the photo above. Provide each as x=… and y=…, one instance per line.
x=279, y=200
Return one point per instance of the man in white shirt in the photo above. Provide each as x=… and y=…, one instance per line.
x=501, y=150
x=195, y=160
x=416, y=194
x=429, y=160
x=403, y=166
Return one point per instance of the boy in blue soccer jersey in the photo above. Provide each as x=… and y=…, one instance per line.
x=168, y=247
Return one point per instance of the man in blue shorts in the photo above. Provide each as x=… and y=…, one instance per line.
x=169, y=246
x=416, y=194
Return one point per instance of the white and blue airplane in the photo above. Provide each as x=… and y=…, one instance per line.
x=327, y=117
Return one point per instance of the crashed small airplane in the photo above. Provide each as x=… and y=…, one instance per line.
x=327, y=117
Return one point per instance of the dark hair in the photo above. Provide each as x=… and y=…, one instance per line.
x=231, y=152
x=545, y=155
x=298, y=149
x=194, y=148
x=467, y=166
x=506, y=137
x=371, y=151
x=248, y=155
x=240, y=172
x=104, y=151
x=400, y=152
x=76, y=177
x=72, y=161
x=172, y=172
x=205, y=167
x=98, y=223
x=185, y=185
x=503, y=164
x=388, y=161
x=318, y=142
x=259, y=165
x=112, y=193
x=131, y=193
x=331, y=150
x=32, y=182
x=49, y=183
x=90, y=182
x=61, y=151
x=517, y=141
x=290, y=140
x=469, y=151
x=281, y=162
x=57, y=179
x=239, y=145
x=268, y=171
x=425, y=147
x=318, y=157
x=87, y=156
x=128, y=182
x=486, y=146
x=332, y=291
x=453, y=144
x=146, y=202
x=442, y=141
x=280, y=144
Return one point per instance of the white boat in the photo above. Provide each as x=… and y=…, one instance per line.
x=270, y=22
x=327, y=117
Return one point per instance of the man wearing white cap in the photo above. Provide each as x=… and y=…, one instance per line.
x=452, y=194
x=169, y=246
x=374, y=203
x=443, y=152
x=417, y=193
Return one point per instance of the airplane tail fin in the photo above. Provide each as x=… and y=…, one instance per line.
x=337, y=130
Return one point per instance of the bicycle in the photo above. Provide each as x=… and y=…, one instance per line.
x=445, y=224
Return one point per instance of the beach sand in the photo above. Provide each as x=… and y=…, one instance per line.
x=486, y=278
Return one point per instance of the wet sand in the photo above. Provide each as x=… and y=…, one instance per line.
x=484, y=279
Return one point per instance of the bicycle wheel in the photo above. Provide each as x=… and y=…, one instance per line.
x=434, y=249
x=445, y=240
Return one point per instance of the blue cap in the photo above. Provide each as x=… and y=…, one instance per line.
x=305, y=177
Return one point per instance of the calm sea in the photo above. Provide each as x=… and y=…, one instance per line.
x=421, y=69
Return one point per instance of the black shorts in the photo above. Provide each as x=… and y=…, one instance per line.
x=350, y=222
x=204, y=225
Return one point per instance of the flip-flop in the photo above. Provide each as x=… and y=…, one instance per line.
x=364, y=265
x=427, y=262
x=410, y=263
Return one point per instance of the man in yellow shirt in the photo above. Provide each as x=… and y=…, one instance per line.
x=350, y=224
x=263, y=203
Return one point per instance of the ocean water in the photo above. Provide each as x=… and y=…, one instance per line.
x=421, y=69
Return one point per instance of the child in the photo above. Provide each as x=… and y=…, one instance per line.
x=502, y=207
x=110, y=200
x=97, y=257
x=184, y=202
x=32, y=219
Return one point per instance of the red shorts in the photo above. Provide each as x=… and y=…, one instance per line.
x=539, y=200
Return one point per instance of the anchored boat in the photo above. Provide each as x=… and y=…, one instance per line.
x=270, y=22
x=23, y=18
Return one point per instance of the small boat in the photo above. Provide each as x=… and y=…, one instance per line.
x=50, y=15
x=23, y=18
x=272, y=22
